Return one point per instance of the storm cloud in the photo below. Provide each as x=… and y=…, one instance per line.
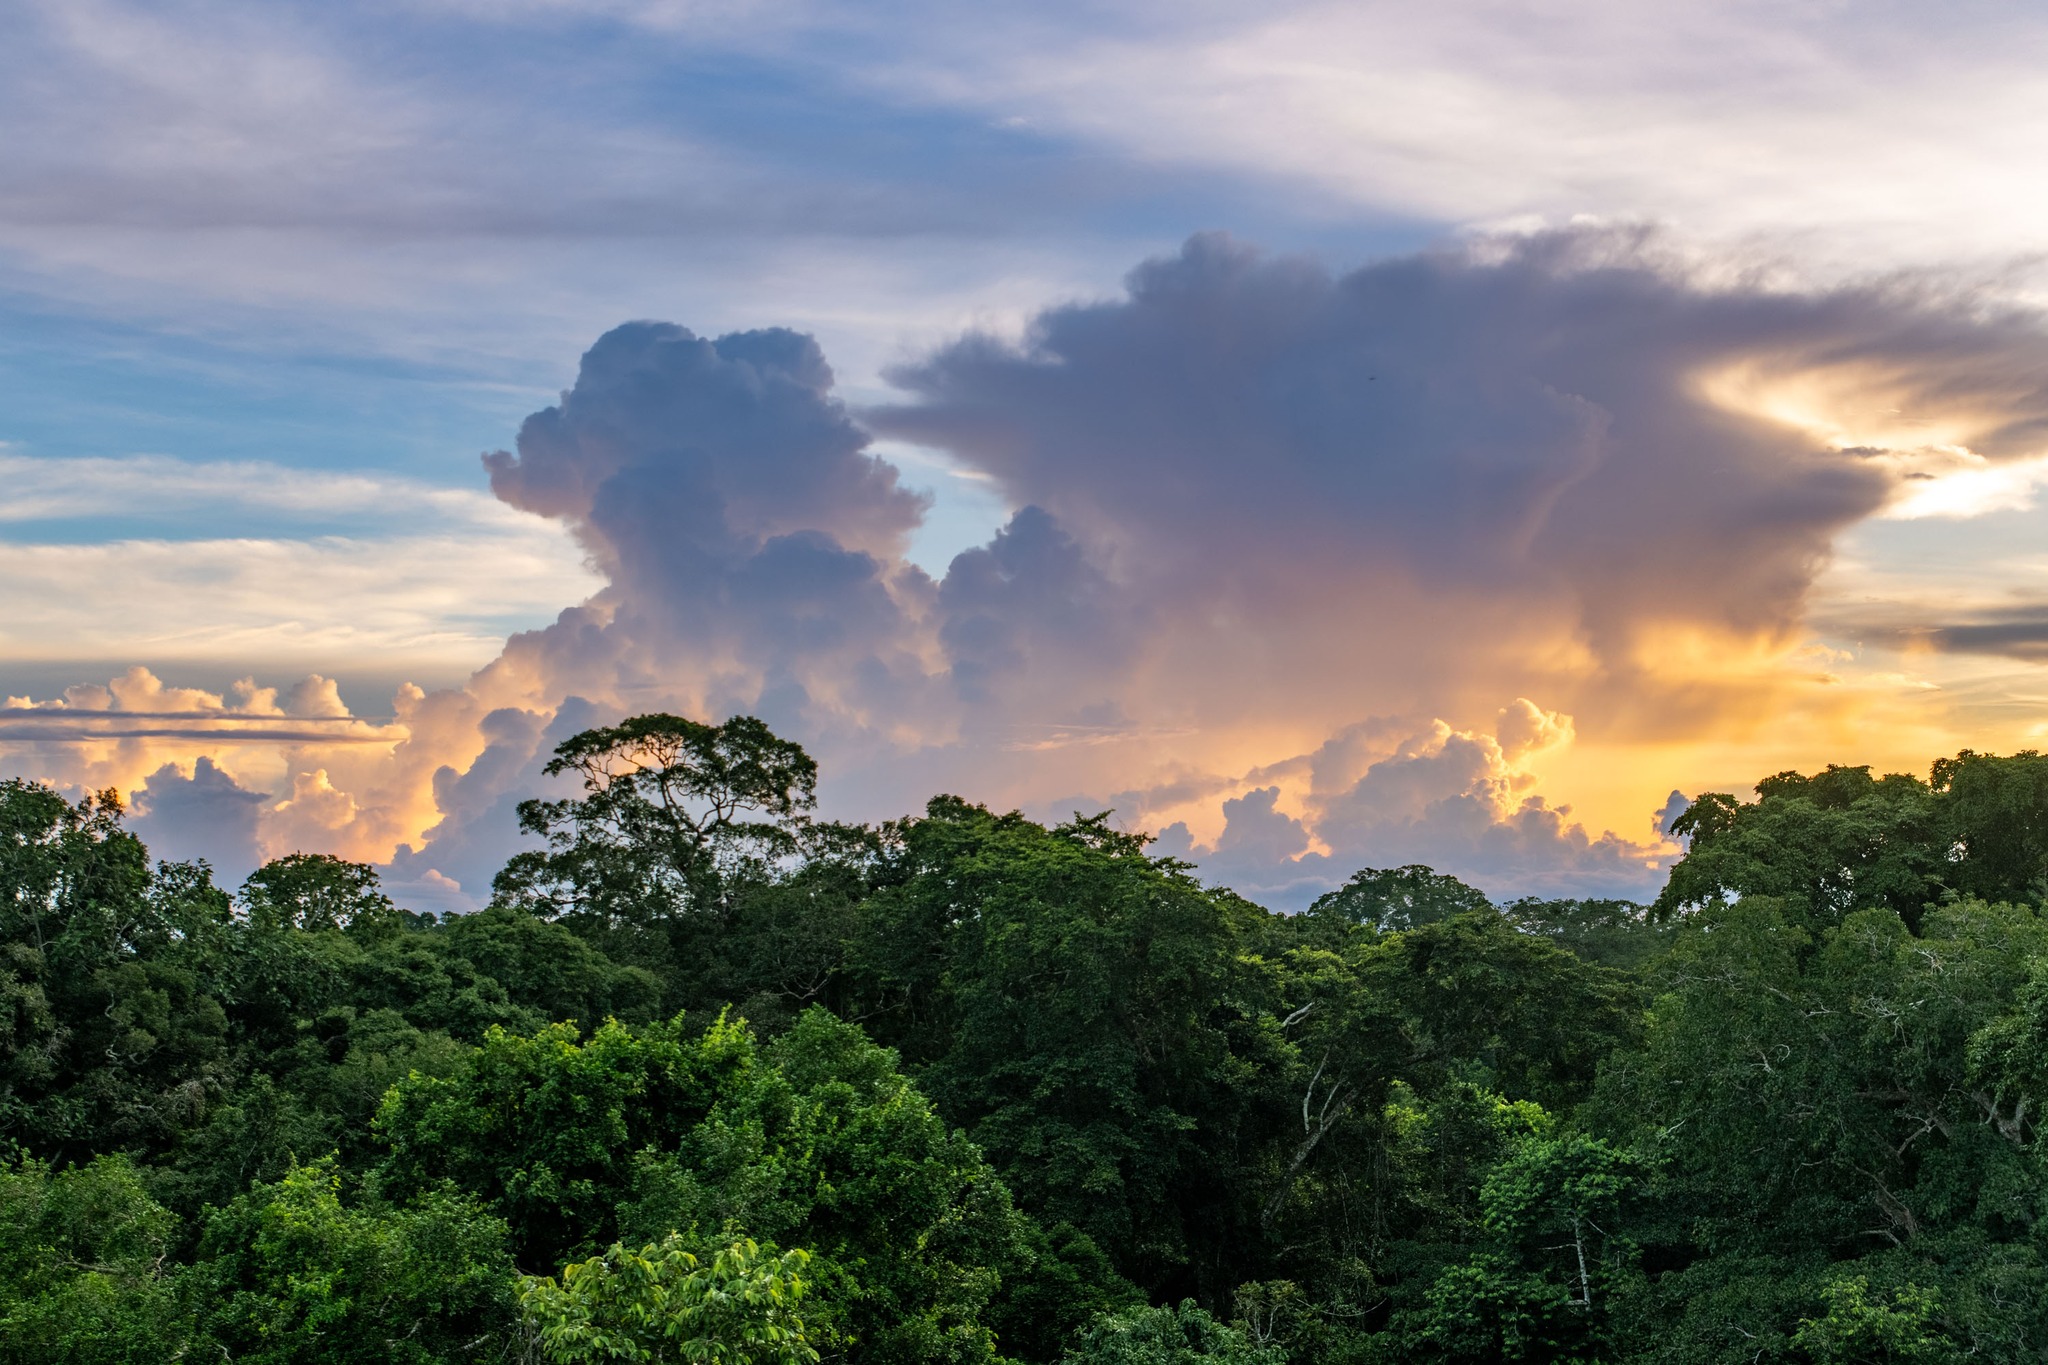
x=1570, y=422
x=1307, y=571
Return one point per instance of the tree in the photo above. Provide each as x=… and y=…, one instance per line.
x=1167, y=1336
x=1863, y=1327
x=815, y=1139
x=546, y=970
x=289, y=1273
x=1567, y=1186
x=1825, y=846
x=1996, y=811
x=111, y=1030
x=545, y=1127
x=675, y=814
x=86, y=1275
x=1395, y=898
x=1442, y=1027
x=1090, y=1015
x=660, y=1304
x=1834, y=1104
x=314, y=891
x=1613, y=933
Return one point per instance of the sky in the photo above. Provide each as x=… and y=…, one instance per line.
x=1329, y=436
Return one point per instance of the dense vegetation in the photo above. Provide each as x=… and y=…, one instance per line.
x=713, y=1081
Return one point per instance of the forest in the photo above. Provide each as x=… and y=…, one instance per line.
x=714, y=1080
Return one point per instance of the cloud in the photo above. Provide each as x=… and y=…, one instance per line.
x=733, y=438
x=1031, y=591
x=753, y=544
x=206, y=814
x=1453, y=799
x=1675, y=805
x=1312, y=571
x=1539, y=435
x=2015, y=633
x=388, y=572
x=1880, y=134
x=170, y=490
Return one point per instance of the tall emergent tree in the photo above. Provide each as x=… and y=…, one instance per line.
x=675, y=814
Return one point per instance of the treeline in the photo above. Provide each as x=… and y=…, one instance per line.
x=712, y=1080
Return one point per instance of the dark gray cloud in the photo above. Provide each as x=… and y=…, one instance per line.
x=1529, y=417
x=736, y=510
x=208, y=815
x=673, y=445
x=2020, y=633
x=1030, y=593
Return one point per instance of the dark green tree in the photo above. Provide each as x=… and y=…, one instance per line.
x=1183, y=1335
x=1092, y=1017
x=675, y=816
x=1996, y=816
x=112, y=1035
x=1395, y=898
x=314, y=891
x=290, y=1274
x=1824, y=846
x=1613, y=933
x=86, y=1275
x=1833, y=1105
x=815, y=1140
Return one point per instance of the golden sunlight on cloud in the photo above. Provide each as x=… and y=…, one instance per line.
x=394, y=577
x=1925, y=425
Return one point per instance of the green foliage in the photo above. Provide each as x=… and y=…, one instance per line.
x=1825, y=846
x=1997, y=819
x=1395, y=898
x=1791, y=1113
x=661, y=1304
x=1086, y=1012
x=289, y=1273
x=1538, y=1288
x=85, y=1276
x=111, y=1031
x=315, y=891
x=816, y=1138
x=1167, y=1336
x=1860, y=1326
x=1611, y=933
x=664, y=826
x=1842, y=840
x=545, y=1128
x=1490, y=1309
x=1552, y=1200
x=1812, y=1104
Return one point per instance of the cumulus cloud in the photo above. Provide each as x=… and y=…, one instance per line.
x=1386, y=792
x=1561, y=424
x=1310, y=571
x=752, y=543
x=205, y=814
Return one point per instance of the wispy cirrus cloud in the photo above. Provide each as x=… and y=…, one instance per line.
x=387, y=573
x=172, y=490
x=1884, y=133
